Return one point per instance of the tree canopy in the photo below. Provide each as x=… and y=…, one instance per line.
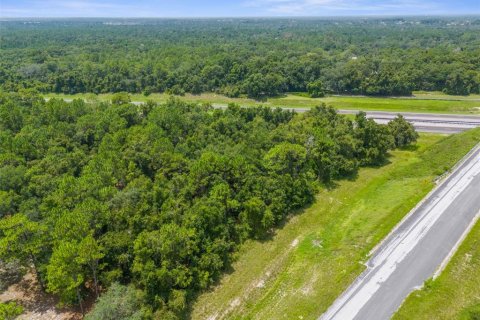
x=158, y=197
x=254, y=57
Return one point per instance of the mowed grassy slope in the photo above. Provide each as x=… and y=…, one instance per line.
x=385, y=104
x=300, y=271
x=455, y=293
x=421, y=102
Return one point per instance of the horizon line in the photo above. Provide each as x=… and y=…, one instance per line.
x=251, y=17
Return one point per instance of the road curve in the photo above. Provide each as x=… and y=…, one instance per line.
x=417, y=249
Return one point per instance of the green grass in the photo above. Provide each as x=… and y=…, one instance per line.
x=385, y=104
x=318, y=253
x=421, y=102
x=443, y=96
x=455, y=292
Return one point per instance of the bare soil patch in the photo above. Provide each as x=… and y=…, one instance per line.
x=26, y=291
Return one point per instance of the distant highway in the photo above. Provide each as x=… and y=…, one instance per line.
x=427, y=122
x=423, y=122
x=417, y=249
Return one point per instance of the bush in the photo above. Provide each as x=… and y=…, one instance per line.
x=10, y=310
x=121, y=98
x=315, y=89
x=403, y=132
x=118, y=303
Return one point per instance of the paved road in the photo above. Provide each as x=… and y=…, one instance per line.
x=423, y=122
x=417, y=249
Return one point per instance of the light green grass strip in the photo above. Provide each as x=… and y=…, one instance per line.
x=434, y=103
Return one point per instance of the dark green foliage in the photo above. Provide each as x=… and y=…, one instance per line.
x=332, y=145
x=403, y=132
x=159, y=196
x=121, y=98
x=254, y=57
x=315, y=89
x=375, y=140
x=22, y=240
x=260, y=85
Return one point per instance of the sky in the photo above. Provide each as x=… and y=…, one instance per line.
x=233, y=8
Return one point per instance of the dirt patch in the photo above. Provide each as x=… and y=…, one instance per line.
x=308, y=287
x=294, y=243
x=38, y=305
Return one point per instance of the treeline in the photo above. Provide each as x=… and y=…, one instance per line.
x=159, y=196
x=254, y=57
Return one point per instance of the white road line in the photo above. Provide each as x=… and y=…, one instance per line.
x=442, y=181
x=457, y=245
x=382, y=266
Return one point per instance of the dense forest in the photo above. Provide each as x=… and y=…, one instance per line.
x=254, y=57
x=152, y=200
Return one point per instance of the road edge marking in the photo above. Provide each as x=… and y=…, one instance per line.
x=457, y=245
x=447, y=259
x=442, y=180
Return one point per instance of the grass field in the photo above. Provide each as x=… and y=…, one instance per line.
x=300, y=271
x=433, y=102
x=455, y=294
x=443, y=96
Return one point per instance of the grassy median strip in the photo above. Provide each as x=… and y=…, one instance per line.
x=422, y=102
x=300, y=271
x=455, y=294
x=385, y=104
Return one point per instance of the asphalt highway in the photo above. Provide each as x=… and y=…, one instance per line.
x=417, y=249
x=423, y=122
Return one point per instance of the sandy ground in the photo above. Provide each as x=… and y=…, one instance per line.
x=26, y=292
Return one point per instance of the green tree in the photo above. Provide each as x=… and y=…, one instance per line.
x=65, y=275
x=10, y=310
x=286, y=158
x=160, y=196
x=403, y=132
x=89, y=253
x=374, y=140
x=8, y=203
x=121, y=98
x=22, y=239
x=315, y=89
x=161, y=259
x=258, y=217
x=11, y=117
x=259, y=85
x=118, y=303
